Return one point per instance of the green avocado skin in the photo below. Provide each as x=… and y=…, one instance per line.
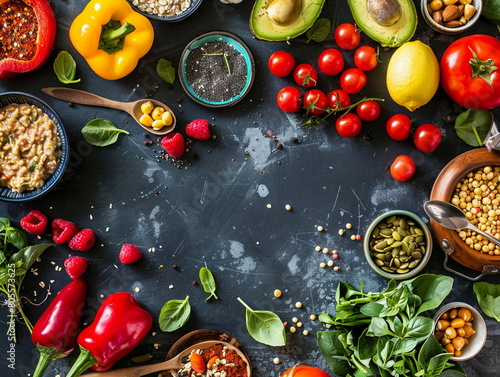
x=263, y=28
x=491, y=11
x=388, y=36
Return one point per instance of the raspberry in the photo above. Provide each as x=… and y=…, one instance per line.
x=63, y=230
x=34, y=222
x=75, y=267
x=173, y=143
x=83, y=240
x=198, y=129
x=130, y=254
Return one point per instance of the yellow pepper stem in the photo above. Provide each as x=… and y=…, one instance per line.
x=113, y=36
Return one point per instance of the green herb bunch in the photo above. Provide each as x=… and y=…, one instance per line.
x=385, y=334
x=16, y=257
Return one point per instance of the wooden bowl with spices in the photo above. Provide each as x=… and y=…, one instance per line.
x=216, y=69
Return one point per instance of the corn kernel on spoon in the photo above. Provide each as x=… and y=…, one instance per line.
x=132, y=108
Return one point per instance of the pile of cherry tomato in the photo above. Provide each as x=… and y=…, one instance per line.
x=316, y=102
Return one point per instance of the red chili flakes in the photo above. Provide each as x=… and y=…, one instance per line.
x=18, y=32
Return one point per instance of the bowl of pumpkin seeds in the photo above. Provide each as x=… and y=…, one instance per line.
x=398, y=244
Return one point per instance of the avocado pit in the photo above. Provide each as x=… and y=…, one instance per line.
x=384, y=12
x=284, y=12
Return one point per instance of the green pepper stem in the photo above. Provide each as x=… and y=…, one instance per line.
x=113, y=36
x=84, y=361
x=47, y=355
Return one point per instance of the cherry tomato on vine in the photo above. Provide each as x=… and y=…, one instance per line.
x=427, y=137
x=315, y=102
x=338, y=99
x=304, y=371
x=365, y=58
x=368, y=110
x=403, y=168
x=288, y=99
x=348, y=125
x=352, y=80
x=346, y=36
x=305, y=75
x=398, y=127
x=281, y=63
x=331, y=62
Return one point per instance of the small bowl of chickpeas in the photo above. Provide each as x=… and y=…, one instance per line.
x=460, y=329
x=451, y=16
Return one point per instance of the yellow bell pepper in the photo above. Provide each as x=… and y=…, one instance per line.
x=112, y=37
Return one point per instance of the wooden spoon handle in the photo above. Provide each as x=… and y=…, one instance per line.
x=139, y=370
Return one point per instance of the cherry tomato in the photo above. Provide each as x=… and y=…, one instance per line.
x=281, y=63
x=305, y=75
x=288, y=99
x=338, y=98
x=331, y=62
x=398, y=127
x=315, y=102
x=368, y=110
x=305, y=371
x=403, y=168
x=365, y=58
x=470, y=73
x=427, y=137
x=348, y=125
x=346, y=36
x=352, y=80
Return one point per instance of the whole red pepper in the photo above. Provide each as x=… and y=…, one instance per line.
x=119, y=326
x=11, y=67
x=56, y=331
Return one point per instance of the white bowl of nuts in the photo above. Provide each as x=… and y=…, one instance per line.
x=451, y=16
x=460, y=329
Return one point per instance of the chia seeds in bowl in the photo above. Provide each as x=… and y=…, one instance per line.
x=216, y=69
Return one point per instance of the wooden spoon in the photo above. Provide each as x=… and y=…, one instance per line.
x=133, y=108
x=173, y=363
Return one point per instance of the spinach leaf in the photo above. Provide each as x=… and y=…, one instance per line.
x=100, y=132
x=472, y=126
x=208, y=282
x=265, y=327
x=174, y=314
x=488, y=298
x=65, y=68
x=165, y=70
x=333, y=350
x=319, y=31
x=432, y=290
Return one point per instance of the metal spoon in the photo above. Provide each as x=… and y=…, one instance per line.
x=451, y=217
x=173, y=363
x=133, y=108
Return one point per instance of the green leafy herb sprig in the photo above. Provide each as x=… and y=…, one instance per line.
x=208, y=282
x=472, y=126
x=319, y=31
x=174, y=314
x=16, y=258
x=385, y=334
x=165, y=70
x=488, y=298
x=101, y=132
x=65, y=68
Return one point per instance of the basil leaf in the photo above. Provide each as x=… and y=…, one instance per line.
x=488, y=298
x=174, y=314
x=165, y=70
x=208, y=282
x=65, y=68
x=25, y=257
x=319, y=31
x=472, y=126
x=100, y=132
x=265, y=327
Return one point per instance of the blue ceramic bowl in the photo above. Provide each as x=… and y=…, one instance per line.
x=179, y=17
x=6, y=194
x=238, y=44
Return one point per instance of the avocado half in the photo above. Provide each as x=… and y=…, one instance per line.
x=388, y=36
x=263, y=28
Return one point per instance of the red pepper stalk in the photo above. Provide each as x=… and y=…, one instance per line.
x=56, y=331
x=10, y=67
x=119, y=326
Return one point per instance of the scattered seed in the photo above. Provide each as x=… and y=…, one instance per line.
x=336, y=268
x=348, y=225
x=312, y=317
x=341, y=232
x=269, y=206
x=320, y=228
x=277, y=293
x=353, y=237
x=288, y=207
x=298, y=304
x=326, y=250
x=276, y=360
x=299, y=324
x=292, y=329
x=322, y=264
x=305, y=332
x=330, y=263
x=317, y=248
x=295, y=320
x=137, y=289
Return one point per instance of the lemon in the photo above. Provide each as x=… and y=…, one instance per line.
x=412, y=75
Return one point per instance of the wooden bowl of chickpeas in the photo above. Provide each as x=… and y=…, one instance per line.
x=471, y=181
x=460, y=329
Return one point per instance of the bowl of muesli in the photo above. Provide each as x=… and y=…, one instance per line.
x=166, y=10
x=34, y=147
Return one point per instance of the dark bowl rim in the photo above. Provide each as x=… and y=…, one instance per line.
x=192, y=8
x=52, y=181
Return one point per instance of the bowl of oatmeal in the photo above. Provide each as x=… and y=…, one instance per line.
x=166, y=10
x=34, y=147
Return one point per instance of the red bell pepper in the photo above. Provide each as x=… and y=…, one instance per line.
x=46, y=20
x=119, y=326
x=56, y=331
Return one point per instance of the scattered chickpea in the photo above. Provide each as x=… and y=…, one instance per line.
x=288, y=207
x=312, y=317
x=348, y=225
x=336, y=268
x=299, y=324
x=317, y=248
x=341, y=232
x=269, y=206
x=322, y=264
x=295, y=320
x=326, y=250
x=298, y=304
x=293, y=329
x=276, y=360
x=353, y=237
x=277, y=293
x=320, y=228
x=305, y=332
x=330, y=263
